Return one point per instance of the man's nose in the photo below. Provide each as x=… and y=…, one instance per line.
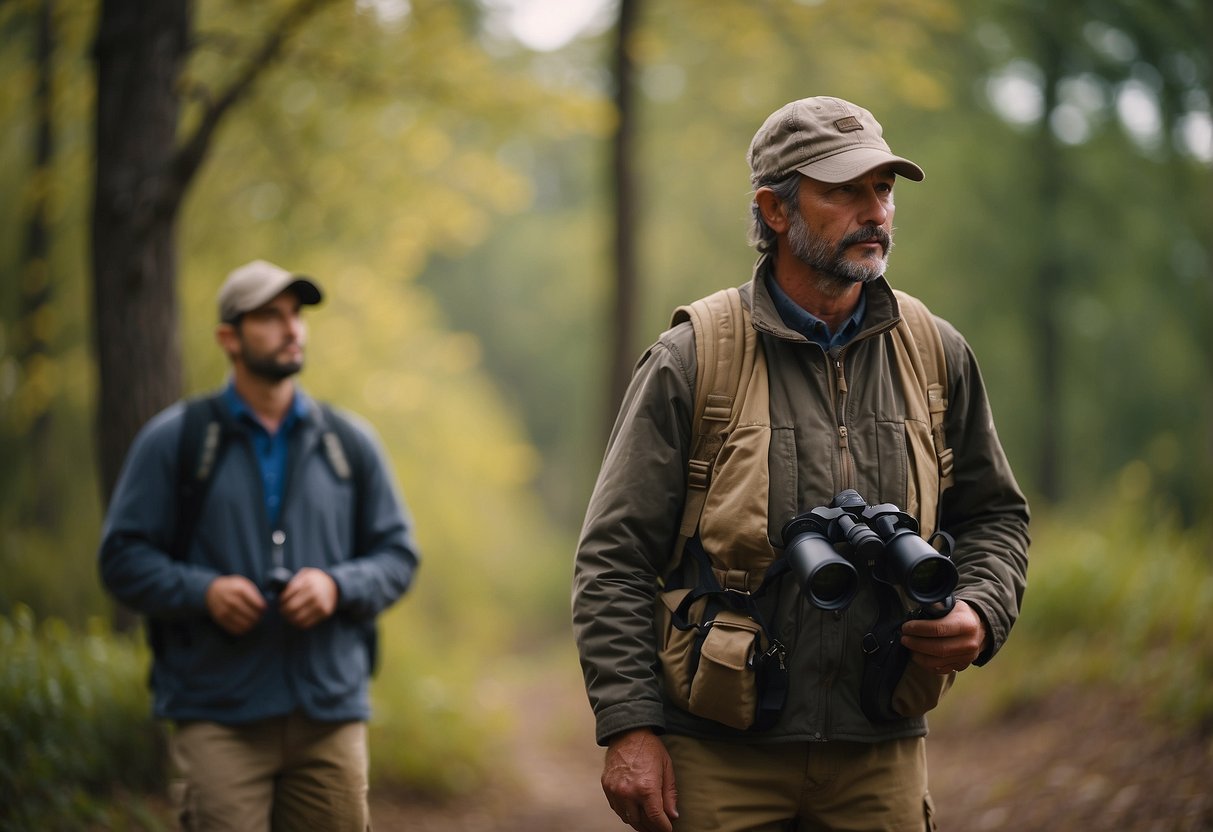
x=875, y=209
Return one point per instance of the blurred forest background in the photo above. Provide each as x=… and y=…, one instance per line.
x=505, y=199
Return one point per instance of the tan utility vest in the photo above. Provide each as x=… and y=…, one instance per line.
x=729, y=477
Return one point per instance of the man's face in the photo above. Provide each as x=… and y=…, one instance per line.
x=844, y=231
x=270, y=339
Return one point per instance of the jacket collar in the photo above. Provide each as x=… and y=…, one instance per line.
x=882, y=310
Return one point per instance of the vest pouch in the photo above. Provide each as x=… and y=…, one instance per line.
x=724, y=687
x=678, y=654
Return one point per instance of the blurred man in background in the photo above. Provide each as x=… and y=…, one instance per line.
x=261, y=534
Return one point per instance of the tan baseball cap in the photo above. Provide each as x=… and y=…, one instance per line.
x=257, y=283
x=824, y=138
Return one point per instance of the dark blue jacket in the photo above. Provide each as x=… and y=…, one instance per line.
x=201, y=672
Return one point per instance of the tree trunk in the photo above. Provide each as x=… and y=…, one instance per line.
x=41, y=503
x=623, y=188
x=1052, y=280
x=1206, y=498
x=140, y=49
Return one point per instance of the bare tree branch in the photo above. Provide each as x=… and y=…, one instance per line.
x=191, y=153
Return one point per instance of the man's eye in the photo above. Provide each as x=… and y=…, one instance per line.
x=263, y=315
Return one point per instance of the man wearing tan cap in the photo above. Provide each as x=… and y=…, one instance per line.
x=260, y=533
x=761, y=623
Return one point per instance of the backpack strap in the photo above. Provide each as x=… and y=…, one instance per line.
x=348, y=458
x=204, y=432
x=722, y=330
x=935, y=365
x=917, y=353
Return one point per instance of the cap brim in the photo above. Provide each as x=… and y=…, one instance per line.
x=305, y=289
x=855, y=162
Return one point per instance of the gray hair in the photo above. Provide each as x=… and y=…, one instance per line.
x=786, y=190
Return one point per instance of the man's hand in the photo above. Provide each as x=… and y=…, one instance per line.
x=946, y=644
x=638, y=779
x=309, y=598
x=235, y=603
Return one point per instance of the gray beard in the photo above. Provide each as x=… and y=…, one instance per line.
x=836, y=274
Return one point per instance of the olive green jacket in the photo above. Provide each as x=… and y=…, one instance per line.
x=632, y=520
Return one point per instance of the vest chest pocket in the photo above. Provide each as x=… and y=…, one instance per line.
x=888, y=457
x=734, y=522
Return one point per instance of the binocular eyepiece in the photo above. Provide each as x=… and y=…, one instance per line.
x=882, y=537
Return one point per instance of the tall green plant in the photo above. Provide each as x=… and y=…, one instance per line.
x=75, y=724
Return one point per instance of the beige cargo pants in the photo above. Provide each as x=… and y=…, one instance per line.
x=801, y=786
x=290, y=773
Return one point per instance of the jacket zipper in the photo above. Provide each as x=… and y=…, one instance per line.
x=846, y=464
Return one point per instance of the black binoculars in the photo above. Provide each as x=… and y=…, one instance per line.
x=276, y=581
x=883, y=537
x=279, y=576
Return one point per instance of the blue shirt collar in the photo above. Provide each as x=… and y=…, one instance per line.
x=808, y=324
x=240, y=410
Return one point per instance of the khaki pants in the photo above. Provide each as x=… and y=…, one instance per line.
x=284, y=774
x=800, y=786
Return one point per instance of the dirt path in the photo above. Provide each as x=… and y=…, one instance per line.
x=550, y=784
x=1089, y=762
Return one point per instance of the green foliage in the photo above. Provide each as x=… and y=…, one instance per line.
x=75, y=726
x=434, y=731
x=1119, y=593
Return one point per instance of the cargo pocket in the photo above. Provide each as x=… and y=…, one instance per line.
x=724, y=687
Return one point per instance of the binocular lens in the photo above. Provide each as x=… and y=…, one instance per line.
x=929, y=579
x=833, y=585
x=827, y=578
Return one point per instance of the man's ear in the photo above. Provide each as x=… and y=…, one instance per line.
x=228, y=339
x=772, y=210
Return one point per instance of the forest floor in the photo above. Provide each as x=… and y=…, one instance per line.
x=1074, y=761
